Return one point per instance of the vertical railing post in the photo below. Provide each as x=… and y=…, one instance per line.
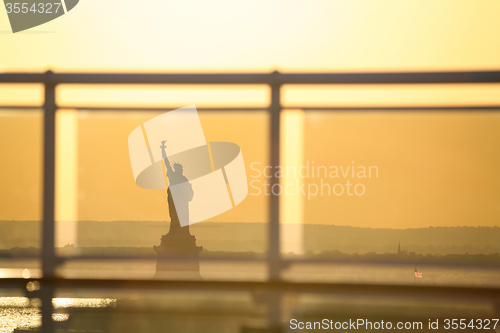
x=274, y=200
x=48, y=225
x=274, y=254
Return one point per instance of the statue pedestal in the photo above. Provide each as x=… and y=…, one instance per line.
x=181, y=247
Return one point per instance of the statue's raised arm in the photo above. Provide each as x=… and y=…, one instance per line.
x=165, y=158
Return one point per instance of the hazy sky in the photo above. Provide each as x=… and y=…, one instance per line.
x=260, y=35
x=434, y=169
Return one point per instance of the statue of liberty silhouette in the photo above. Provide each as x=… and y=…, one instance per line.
x=178, y=243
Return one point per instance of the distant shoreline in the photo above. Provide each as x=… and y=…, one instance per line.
x=252, y=237
x=405, y=256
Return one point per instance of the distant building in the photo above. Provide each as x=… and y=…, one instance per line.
x=399, y=248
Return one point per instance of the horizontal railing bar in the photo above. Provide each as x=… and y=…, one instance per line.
x=340, y=261
x=391, y=78
x=22, y=77
x=385, y=262
x=25, y=107
x=106, y=108
x=255, y=78
x=133, y=258
x=286, y=262
x=206, y=109
x=467, y=108
x=97, y=257
x=263, y=286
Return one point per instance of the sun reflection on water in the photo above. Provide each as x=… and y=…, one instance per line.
x=21, y=312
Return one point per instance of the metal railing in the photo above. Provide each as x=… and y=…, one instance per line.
x=275, y=262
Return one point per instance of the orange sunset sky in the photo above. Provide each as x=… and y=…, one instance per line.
x=435, y=168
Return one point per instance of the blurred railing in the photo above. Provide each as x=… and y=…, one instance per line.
x=275, y=263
